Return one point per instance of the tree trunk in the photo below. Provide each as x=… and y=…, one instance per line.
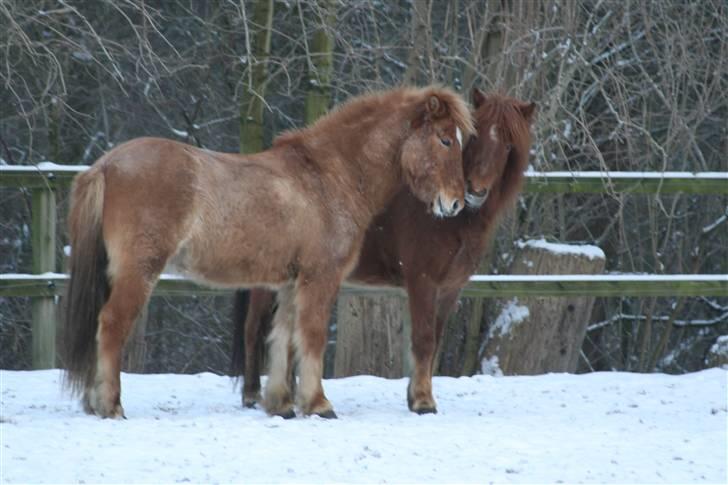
x=535, y=335
x=418, y=60
x=320, y=64
x=371, y=336
x=251, y=109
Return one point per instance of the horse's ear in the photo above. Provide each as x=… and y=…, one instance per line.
x=527, y=110
x=478, y=97
x=436, y=107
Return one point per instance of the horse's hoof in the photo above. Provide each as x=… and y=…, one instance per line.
x=421, y=406
x=426, y=410
x=330, y=414
x=251, y=399
x=92, y=404
x=287, y=414
x=87, y=407
x=116, y=412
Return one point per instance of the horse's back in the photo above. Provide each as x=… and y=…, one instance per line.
x=224, y=217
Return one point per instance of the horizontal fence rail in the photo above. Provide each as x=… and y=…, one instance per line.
x=53, y=284
x=50, y=175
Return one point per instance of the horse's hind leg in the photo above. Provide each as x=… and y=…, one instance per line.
x=278, y=395
x=130, y=291
x=257, y=323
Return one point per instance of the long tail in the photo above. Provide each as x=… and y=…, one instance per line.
x=240, y=310
x=88, y=288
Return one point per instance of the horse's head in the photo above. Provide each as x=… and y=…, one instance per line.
x=432, y=153
x=502, y=143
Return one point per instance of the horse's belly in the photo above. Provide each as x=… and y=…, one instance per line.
x=247, y=235
x=233, y=262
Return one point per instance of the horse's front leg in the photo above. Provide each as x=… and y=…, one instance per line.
x=422, y=294
x=314, y=298
x=278, y=395
x=446, y=300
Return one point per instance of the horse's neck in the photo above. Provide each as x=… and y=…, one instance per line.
x=372, y=175
x=482, y=223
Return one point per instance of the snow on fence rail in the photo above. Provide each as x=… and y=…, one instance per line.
x=43, y=287
x=50, y=175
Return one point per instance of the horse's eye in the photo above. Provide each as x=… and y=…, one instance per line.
x=445, y=141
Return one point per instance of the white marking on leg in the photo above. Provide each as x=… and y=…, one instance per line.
x=279, y=340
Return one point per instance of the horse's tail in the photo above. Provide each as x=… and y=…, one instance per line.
x=240, y=311
x=88, y=287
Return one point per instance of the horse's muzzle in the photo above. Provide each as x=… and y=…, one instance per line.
x=475, y=200
x=442, y=207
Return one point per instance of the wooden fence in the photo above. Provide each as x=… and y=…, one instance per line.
x=44, y=285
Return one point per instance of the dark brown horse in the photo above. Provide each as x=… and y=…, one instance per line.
x=291, y=218
x=431, y=258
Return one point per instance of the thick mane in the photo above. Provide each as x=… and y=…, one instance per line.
x=457, y=109
x=365, y=106
x=506, y=113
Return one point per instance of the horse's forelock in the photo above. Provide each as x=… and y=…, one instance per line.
x=504, y=112
x=455, y=107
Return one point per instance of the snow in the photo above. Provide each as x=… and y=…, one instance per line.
x=586, y=250
x=491, y=366
x=512, y=314
x=720, y=347
x=475, y=278
x=54, y=167
x=43, y=167
x=627, y=175
x=594, y=428
x=602, y=277
x=33, y=277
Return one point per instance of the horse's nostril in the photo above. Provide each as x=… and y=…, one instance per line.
x=455, y=205
x=481, y=193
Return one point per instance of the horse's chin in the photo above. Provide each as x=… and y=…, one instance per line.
x=475, y=202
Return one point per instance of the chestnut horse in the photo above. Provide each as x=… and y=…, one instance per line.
x=431, y=258
x=291, y=218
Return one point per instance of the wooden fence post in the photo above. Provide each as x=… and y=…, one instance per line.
x=536, y=334
x=371, y=336
x=43, y=240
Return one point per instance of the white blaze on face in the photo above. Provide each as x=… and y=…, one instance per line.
x=493, y=133
x=459, y=136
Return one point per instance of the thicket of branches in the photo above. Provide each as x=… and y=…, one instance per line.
x=621, y=85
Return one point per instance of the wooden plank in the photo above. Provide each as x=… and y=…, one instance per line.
x=43, y=240
x=51, y=175
x=602, y=285
x=627, y=182
x=484, y=286
x=44, y=175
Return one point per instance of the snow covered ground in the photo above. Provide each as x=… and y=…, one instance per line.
x=594, y=428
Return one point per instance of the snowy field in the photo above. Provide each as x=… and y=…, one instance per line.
x=594, y=428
